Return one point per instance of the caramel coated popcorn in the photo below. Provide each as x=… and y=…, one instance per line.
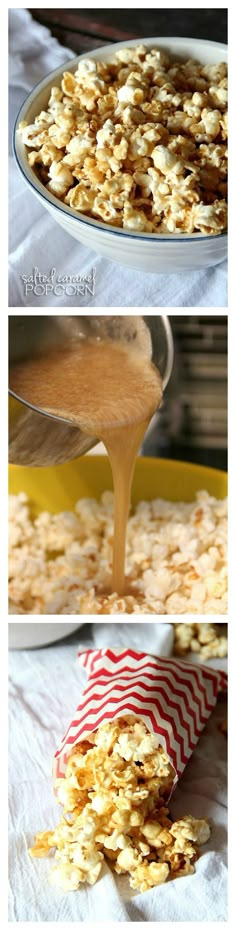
x=139, y=143
x=176, y=560
x=204, y=638
x=114, y=797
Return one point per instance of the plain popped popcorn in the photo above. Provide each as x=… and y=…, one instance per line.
x=139, y=142
x=175, y=558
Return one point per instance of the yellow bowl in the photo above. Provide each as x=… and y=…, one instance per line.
x=60, y=486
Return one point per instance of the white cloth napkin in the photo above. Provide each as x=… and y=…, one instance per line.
x=36, y=241
x=45, y=688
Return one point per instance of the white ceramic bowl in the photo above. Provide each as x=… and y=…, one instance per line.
x=147, y=251
x=34, y=635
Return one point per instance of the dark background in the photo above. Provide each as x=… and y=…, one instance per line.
x=82, y=30
x=192, y=421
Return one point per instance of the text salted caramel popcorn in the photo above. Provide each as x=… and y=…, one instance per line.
x=176, y=559
x=139, y=143
x=114, y=797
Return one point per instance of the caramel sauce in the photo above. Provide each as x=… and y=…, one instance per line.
x=110, y=391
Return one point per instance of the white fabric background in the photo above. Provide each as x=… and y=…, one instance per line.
x=45, y=688
x=36, y=240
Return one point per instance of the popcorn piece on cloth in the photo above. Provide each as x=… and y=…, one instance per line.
x=223, y=727
x=205, y=639
x=132, y=734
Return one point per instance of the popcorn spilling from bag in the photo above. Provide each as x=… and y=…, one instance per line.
x=114, y=797
x=139, y=142
x=176, y=560
x=130, y=738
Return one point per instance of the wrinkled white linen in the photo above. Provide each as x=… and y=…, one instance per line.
x=36, y=241
x=45, y=688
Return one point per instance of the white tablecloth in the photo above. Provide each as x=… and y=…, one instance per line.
x=36, y=241
x=45, y=688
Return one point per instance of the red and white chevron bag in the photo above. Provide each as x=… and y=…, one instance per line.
x=173, y=697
